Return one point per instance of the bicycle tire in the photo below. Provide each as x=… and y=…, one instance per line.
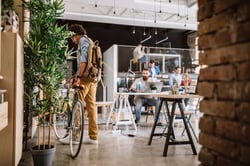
x=60, y=124
x=76, y=129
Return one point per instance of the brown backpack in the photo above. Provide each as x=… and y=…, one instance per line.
x=93, y=70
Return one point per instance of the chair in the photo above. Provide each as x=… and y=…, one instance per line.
x=149, y=110
x=188, y=115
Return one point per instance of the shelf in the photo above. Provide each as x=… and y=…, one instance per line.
x=3, y=115
x=2, y=91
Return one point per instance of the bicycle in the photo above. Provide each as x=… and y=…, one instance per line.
x=69, y=120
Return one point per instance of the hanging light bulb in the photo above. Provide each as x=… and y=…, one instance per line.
x=144, y=33
x=95, y=3
x=178, y=9
x=160, y=6
x=133, y=22
x=156, y=31
x=114, y=8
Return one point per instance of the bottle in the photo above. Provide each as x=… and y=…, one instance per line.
x=139, y=86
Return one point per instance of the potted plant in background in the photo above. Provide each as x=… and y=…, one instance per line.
x=153, y=88
x=122, y=86
x=45, y=54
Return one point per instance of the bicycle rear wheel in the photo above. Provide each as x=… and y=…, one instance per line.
x=60, y=124
x=77, y=129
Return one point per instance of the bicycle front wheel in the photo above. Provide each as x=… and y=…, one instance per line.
x=77, y=129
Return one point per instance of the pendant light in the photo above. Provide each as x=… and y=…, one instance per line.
x=160, y=6
x=178, y=9
x=144, y=33
x=156, y=31
x=155, y=18
x=114, y=8
x=133, y=21
x=95, y=3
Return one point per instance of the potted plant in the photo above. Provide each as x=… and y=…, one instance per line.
x=122, y=86
x=153, y=88
x=45, y=54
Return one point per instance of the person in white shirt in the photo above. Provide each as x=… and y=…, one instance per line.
x=138, y=53
x=176, y=77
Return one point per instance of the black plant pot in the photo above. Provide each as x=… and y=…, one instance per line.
x=43, y=157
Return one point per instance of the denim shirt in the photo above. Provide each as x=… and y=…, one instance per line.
x=157, y=71
x=83, y=47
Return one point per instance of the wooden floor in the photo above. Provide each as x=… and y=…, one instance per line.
x=118, y=149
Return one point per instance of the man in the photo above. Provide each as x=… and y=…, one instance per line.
x=141, y=100
x=154, y=70
x=88, y=93
x=175, y=78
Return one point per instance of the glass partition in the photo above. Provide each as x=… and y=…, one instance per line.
x=166, y=58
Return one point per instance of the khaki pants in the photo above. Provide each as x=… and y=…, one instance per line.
x=88, y=94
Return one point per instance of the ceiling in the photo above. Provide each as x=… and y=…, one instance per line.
x=171, y=14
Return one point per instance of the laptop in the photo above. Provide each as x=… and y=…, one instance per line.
x=158, y=84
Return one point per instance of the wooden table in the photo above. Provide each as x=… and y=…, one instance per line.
x=176, y=100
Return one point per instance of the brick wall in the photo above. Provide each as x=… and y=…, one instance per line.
x=224, y=47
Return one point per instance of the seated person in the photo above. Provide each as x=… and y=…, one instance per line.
x=175, y=77
x=154, y=70
x=186, y=79
x=141, y=100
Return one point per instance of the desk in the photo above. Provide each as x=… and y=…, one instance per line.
x=103, y=104
x=121, y=98
x=176, y=100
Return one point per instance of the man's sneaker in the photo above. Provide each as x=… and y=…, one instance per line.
x=65, y=141
x=136, y=123
x=90, y=141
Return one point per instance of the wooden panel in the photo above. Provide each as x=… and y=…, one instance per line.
x=3, y=115
x=12, y=71
x=19, y=72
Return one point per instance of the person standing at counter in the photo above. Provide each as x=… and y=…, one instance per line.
x=141, y=85
x=138, y=53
